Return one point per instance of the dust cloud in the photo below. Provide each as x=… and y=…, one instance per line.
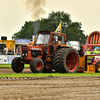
x=36, y=8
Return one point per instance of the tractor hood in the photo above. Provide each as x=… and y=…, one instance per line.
x=34, y=48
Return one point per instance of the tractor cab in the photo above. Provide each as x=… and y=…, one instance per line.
x=43, y=39
x=50, y=41
x=47, y=37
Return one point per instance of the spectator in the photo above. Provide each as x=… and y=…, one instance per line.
x=96, y=51
x=85, y=51
x=18, y=50
x=81, y=51
x=4, y=50
x=12, y=51
x=99, y=50
x=9, y=51
x=89, y=51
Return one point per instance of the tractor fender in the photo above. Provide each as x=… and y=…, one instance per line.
x=61, y=46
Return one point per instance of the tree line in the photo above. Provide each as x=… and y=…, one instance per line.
x=72, y=29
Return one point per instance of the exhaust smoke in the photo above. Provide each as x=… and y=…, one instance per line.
x=36, y=8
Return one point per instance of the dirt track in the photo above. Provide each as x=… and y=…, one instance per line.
x=9, y=70
x=51, y=89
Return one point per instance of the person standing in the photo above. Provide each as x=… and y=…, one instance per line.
x=18, y=50
x=89, y=50
x=81, y=51
x=96, y=51
x=4, y=50
x=53, y=42
x=12, y=51
x=9, y=51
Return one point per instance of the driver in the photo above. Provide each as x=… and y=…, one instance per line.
x=53, y=41
x=51, y=45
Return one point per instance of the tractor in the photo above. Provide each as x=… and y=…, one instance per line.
x=49, y=53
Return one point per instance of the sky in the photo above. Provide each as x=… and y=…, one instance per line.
x=14, y=13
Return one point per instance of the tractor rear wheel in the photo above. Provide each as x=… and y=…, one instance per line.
x=16, y=65
x=66, y=60
x=36, y=65
x=97, y=67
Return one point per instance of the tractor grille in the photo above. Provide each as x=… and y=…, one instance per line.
x=24, y=47
x=35, y=53
x=24, y=53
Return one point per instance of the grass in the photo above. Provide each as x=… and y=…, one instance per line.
x=43, y=74
x=48, y=74
x=9, y=65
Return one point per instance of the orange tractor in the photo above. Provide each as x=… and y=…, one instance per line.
x=49, y=53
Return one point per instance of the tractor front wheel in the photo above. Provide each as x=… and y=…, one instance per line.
x=16, y=65
x=36, y=65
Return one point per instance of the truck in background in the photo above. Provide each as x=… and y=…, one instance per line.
x=74, y=44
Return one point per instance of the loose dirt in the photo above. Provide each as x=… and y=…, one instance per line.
x=61, y=88
x=9, y=70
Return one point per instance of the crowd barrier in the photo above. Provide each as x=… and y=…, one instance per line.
x=7, y=59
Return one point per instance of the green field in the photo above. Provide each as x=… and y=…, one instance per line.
x=48, y=74
x=9, y=65
x=43, y=74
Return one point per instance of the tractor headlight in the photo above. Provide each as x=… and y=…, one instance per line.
x=24, y=53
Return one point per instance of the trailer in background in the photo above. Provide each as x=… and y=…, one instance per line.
x=74, y=44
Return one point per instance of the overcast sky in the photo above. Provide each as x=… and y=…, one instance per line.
x=14, y=13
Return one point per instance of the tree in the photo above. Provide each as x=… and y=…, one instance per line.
x=26, y=31
x=72, y=29
x=74, y=33
x=53, y=20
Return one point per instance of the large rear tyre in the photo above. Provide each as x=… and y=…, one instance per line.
x=16, y=65
x=36, y=65
x=97, y=67
x=66, y=60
